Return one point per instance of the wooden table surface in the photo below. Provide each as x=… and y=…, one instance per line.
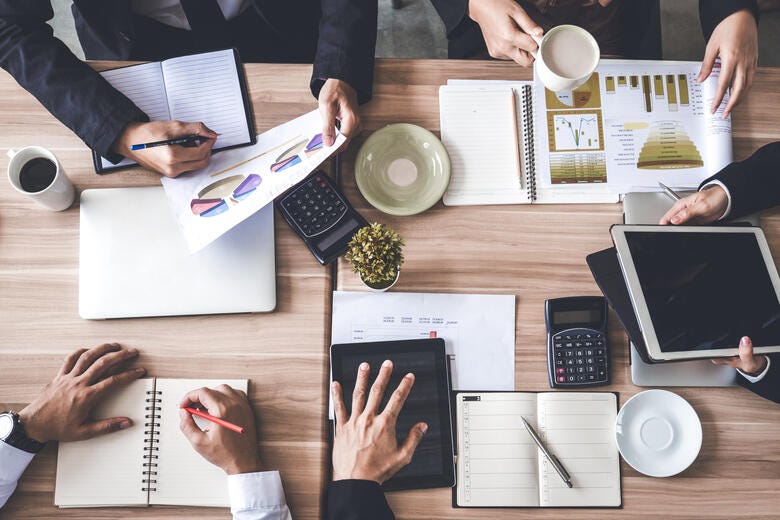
x=534, y=252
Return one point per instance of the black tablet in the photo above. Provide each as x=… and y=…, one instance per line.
x=432, y=465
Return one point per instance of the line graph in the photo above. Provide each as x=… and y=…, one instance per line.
x=576, y=131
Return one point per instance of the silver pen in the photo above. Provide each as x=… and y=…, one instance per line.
x=669, y=191
x=552, y=458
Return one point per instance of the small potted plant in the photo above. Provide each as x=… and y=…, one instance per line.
x=375, y=255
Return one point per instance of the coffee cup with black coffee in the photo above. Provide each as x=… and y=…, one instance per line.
x=35, y=171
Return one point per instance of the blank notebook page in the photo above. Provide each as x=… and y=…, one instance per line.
x=107, y=470
x=579, y=428
x=183, y=476
x=144, y=86
x=205, y=87
x=478, y=128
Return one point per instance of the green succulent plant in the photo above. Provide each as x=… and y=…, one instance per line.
x=375, y=254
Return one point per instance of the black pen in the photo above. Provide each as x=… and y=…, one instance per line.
x=188, y=140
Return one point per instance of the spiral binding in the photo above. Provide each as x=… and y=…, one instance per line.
x=150, y=456
x=528, y=142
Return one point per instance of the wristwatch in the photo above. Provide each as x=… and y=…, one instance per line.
x=12, y=433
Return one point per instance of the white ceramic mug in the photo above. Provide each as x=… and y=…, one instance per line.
x=574, y=47
x=57, y=196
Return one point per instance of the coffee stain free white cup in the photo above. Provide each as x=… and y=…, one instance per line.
x=566, y=57
x=58, y=195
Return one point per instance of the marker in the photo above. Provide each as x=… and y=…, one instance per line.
x=216, y=420
x=669, y=191
x=188, y=141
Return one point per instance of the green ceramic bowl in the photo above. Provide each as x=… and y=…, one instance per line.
x=402, y=169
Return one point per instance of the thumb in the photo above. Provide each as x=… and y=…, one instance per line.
x=746, y=351
x=189, y=428
x=95, y=428
x=328, y=122
x=199, y=129
x=413, y=440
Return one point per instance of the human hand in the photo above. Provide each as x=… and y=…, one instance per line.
x=745, y=361
x=735, y=41
x=61, y=412
x=233, y=452
x=338, y=100
x=703, y=207
x=506, y=28
x=365, y=447
x=172, y=160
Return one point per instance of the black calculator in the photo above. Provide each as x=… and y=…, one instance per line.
x=321, y=215
x=577, y=350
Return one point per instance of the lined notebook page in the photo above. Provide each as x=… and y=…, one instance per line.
x=183, y=476
x=107, y=470
x=479, y=128
x=143, y=85
x=579, y=428
x=205, y=87
x=497, y=460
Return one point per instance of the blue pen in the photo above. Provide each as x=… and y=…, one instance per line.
x=189, y=141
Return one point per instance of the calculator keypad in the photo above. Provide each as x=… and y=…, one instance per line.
x=580, y=358
x=314, y=206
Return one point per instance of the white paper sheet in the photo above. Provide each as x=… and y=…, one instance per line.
x=478, y=330
x=288, y=140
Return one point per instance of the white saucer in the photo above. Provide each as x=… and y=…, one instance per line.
x=658, y=433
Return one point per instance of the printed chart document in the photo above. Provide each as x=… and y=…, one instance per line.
x=207, y=87
x=478, y=330
x=151, y=463
x=499, y=465
x=237, y=183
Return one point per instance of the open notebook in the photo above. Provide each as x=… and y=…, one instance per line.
x=207, y=87
x=151, y=462
x=500, y=466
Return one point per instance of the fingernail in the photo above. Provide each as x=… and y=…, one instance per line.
x=387, y=363
x=123, y=425
x=675, y=220
x=409, y=375
x=364, y=366
x=133, y=351
x=140, y=370
x=744, y=341
x=333, y=385
x=423, y=428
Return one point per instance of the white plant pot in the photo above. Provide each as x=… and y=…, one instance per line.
x=383, y=289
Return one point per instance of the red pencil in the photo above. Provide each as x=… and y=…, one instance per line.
x=217, y=420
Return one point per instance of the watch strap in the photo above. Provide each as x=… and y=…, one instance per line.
x=18, y=437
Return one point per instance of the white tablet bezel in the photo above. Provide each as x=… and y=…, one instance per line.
x=638, y=298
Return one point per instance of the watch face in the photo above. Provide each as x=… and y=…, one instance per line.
x=6, y=425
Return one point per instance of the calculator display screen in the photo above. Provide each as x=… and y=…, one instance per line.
x=334, y=235
x=578, y=317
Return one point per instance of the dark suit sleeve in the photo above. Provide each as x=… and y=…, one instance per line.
x=712, y=12
x=71, y=90
x=345, y=49
x=769, y=386
x=452, y=13
x=754, y=184
x=357, y=500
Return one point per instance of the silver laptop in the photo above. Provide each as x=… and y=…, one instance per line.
x=133, y=260
x=648, y=208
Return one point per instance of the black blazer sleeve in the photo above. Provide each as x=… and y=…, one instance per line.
x=769, y=386
x=452, y=12
x=357, y=500
x=712, y=12
x=754, y=184
x=345, y=49
x=71, y=90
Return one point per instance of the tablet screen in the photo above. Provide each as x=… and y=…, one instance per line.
x=705, y=291
x=427, y=402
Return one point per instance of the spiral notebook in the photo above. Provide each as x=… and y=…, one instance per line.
x=151, y=463
x=489, y=134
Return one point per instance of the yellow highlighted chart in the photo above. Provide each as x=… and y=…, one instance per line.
x=668, y=147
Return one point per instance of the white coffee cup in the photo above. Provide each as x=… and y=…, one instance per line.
x=566, y=57
x=58, y=195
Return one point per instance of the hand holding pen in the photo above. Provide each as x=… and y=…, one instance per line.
x=168, y=147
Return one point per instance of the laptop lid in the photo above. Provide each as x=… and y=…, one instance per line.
x=133, y=260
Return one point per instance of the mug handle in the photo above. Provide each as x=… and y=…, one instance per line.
x=11, y=152
x=538, y=40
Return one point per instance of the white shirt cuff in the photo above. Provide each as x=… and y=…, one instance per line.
x=13, y=462
x=728, y=196
x=759, y=377
x=257, y=495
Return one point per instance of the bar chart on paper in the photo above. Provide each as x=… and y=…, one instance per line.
x=649, y=93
